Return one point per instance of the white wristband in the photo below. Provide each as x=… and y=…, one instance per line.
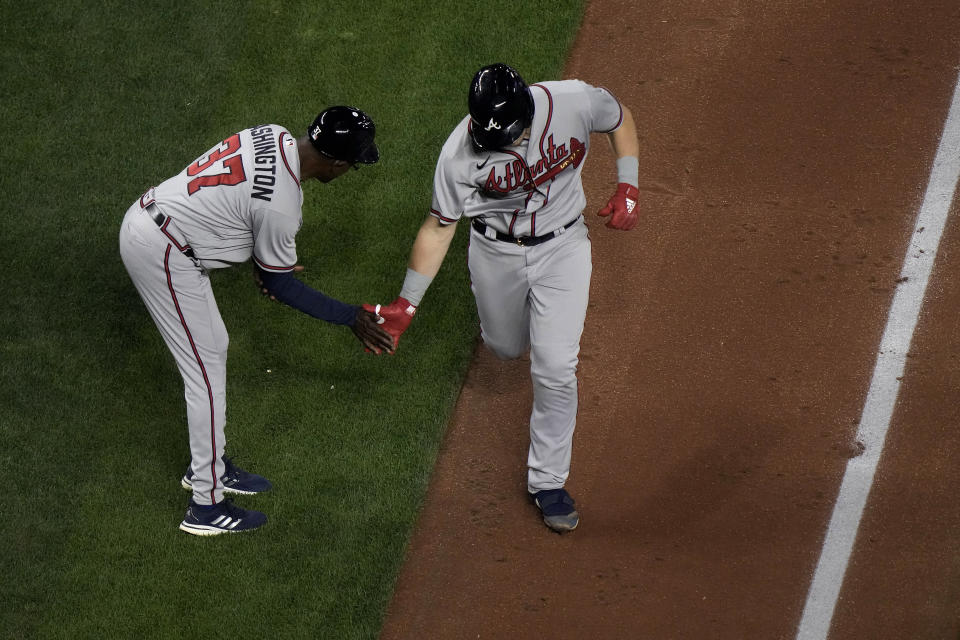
x=414, y=286
x=628, y=170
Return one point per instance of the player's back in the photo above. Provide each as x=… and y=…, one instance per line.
x=217, y=199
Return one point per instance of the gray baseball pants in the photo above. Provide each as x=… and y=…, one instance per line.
x=177, y=293
x=536, y=298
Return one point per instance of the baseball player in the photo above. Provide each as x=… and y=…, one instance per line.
x=512, y=166
x=241, y=199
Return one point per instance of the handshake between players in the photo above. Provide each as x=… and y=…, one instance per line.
x=394, y=318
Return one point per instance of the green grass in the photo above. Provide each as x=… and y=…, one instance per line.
x=101, y=100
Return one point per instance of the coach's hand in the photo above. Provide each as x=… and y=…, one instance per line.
x=622, y=208
x=367, y=326
x=395, y=317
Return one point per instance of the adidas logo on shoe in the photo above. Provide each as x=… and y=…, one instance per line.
x=223, y=517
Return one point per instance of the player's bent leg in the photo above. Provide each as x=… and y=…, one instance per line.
x=499, y=284
x=180, y=301
x=505, y=351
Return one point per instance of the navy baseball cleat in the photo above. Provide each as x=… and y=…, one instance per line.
x=234, y=479
x=557, y=508
x=223, y=517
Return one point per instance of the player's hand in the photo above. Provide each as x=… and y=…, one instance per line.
x=367, y=326
x=396, y=317
x=622, y=208
x=256, y=278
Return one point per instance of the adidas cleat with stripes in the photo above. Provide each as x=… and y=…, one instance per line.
x=234, y=480
x=223, y=517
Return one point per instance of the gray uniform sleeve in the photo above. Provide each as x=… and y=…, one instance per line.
x=605, y=110
x=449, y=192
x=274, y=246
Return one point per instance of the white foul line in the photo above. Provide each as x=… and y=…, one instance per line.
x=885, y=384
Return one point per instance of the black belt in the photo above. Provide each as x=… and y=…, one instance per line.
x=523, y=241
x=161, y=219
x=158, y=217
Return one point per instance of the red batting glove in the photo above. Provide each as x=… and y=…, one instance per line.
x=396, y=317
x=623, y=206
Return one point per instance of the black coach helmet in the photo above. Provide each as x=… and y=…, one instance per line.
x=501, y=106
x=345, y=133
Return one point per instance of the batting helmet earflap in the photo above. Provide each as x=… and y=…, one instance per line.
x=501, y=106
x=345, y=133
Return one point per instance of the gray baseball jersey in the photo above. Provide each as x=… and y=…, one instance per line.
x=532, y=294
x=534, y=187
x=240, y=199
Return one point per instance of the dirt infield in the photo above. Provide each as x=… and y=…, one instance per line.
x=731, y=337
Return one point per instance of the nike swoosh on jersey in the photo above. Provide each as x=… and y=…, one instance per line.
x=481, y=165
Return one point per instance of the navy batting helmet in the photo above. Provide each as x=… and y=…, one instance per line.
x=345, y=133
x=501, y=106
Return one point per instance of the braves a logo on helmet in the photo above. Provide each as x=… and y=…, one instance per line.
x=492, y=125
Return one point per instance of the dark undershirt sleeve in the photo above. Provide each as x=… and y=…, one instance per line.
x=290, y=291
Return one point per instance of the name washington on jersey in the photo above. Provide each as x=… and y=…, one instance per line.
x=264, y=162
